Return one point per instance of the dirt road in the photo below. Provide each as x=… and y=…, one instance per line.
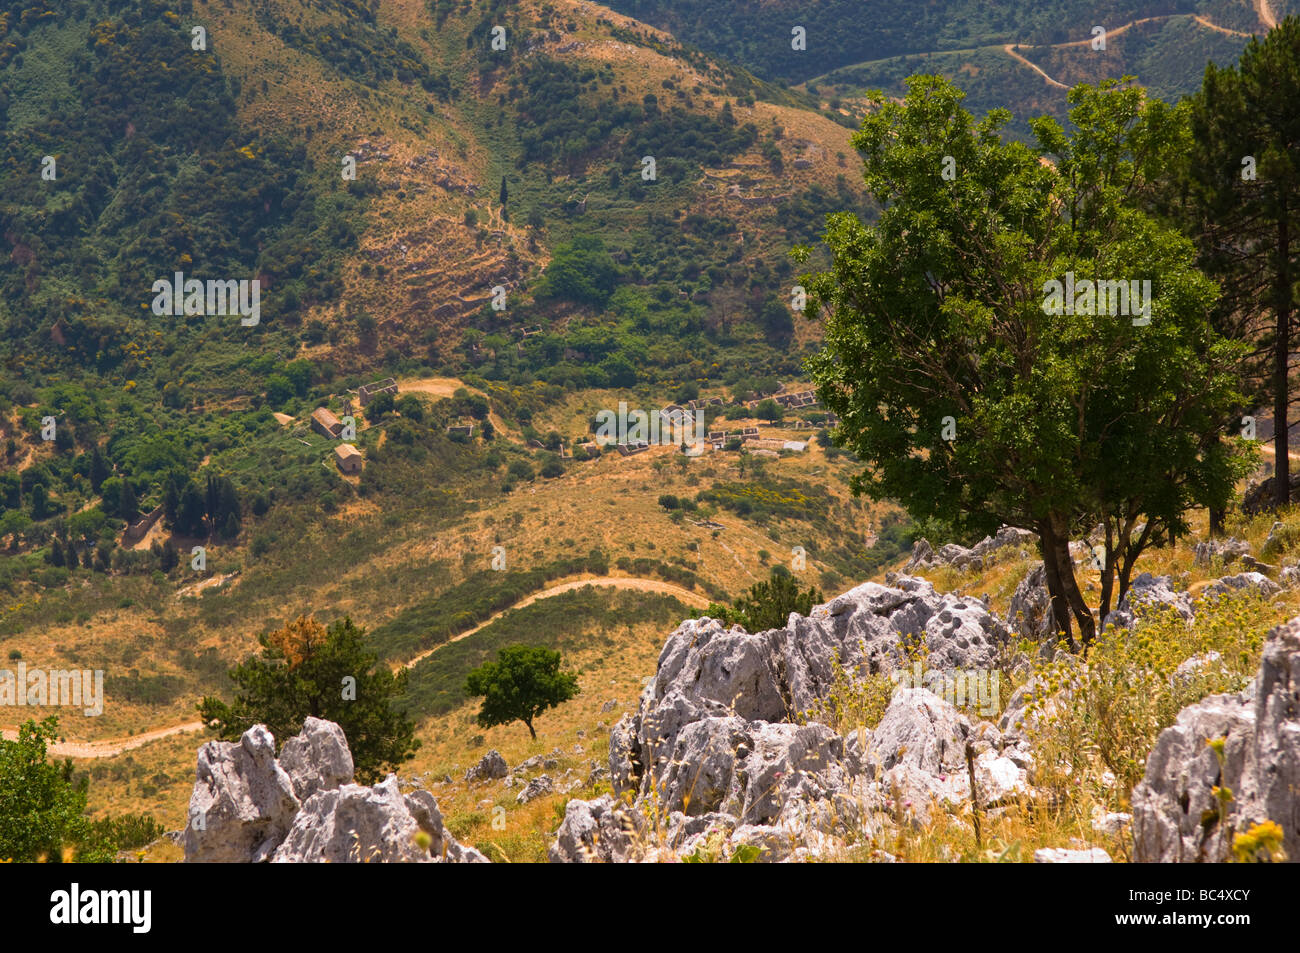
x=617, y=582
x=109, y=747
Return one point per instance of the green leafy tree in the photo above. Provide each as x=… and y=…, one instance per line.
x=380, y=405
x=940, y=322
x=523, y=682
x=581, y=270
x=42, y=810
x=40, y=502
x=306, y=670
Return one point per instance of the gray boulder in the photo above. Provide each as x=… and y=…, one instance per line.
x=601, y=831
x=709, y=671
x=248, y=807
x=354, y=824
x=491, y=767
x=1030, y=609
x=984, y=553
x=1059, y=855
x=243, y=801
x=317, y=759
x=538, y=786
x=1253, y=582
x=1150, y=594
x=1176, y=818
x=1227, y=550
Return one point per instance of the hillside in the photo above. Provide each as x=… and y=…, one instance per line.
x=207, y=422
x=324, y=308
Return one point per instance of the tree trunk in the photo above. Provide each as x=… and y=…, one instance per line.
x=1058, y=540
x=1281, y=364
x=529, y=723
x=1216, y=522
x=1055, y=590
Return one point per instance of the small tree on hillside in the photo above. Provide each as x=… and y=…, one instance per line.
x=523, y=682
x=306, y=669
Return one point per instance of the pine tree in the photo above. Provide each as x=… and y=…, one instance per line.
x=99, y=471
x=128, y=506
x=1240, y=182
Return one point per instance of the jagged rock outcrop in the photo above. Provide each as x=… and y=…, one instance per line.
x=1030, y=609
x=356, y=824
x=1259, y=497
x=732, y=678
x=1153, y=593
x=1228, y=550
x=1242, y=582
x=718, y=733
x=542, y=784
x=248, y=807
x=601, y=831
x=1060, y=855
x=977, y=557
x=317, y=758
x=918, y=754
x=243, y=801
x=491, y=767
x=1176, y=816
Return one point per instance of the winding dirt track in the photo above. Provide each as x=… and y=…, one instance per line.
x=1010, y=51
x=1262, y=8
x=1265, y=13
x=617, y=582
x=111, y=747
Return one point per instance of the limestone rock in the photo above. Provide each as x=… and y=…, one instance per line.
x=243, y=802
x=599, y=831
x=538, y=786
x=1153, y=593
x=1176, y=818
x=491, y=767
x=1059, y=855
x=356, y=824
x=317, y=759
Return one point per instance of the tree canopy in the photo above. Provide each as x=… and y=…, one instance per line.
x=967, y=394
x=523, y=682
x=307, y=670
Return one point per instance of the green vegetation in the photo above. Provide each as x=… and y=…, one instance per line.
x=523, y=682
x=42, y=810
x=307, y=670
x=768, y=604
x=1104, y=428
